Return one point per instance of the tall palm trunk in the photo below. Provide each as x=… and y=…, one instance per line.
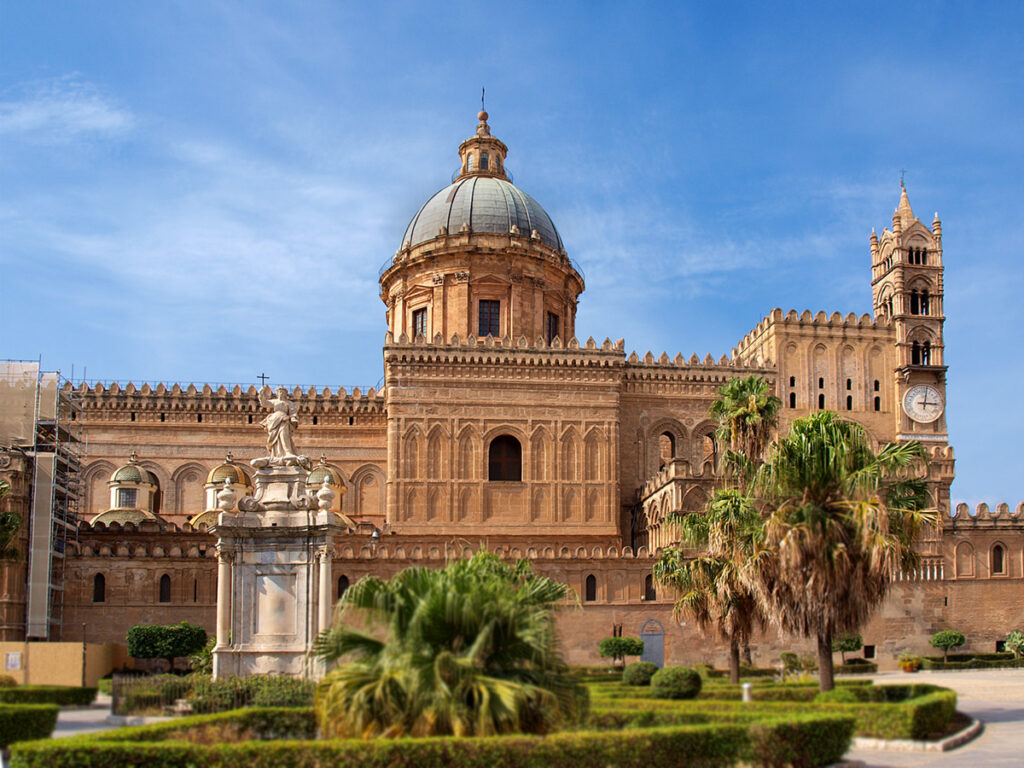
x=826, y=677
x=734, y=661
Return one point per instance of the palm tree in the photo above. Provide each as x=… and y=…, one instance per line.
x=710, y=586
x=747, y=414
x=467, y=650
x=840, y=521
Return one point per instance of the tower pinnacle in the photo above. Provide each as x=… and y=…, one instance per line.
x=482, y=154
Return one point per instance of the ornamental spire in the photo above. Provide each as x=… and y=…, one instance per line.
x=482, y=154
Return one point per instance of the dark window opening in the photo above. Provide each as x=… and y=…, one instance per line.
x=127, y=498
x=591, y=589
x=849, y=402
x=551, y=326
x=849, y=383
x=505, y=460
x=250, y=418
x=926, y=353
x=419, y=322
x=1000, y=646
x=821, y=382
x=915, y=303
x=314, y=421
x=99, y=588
x=489, y=317
x=877, y=385
x=945, y=601
x=162, y=417
x=792, y=399
x=915, y=353
x=878, y=403
x=649, y=593
x=351, y=420
x=165, y=589
x=484, y=161
x=342, y=585
x=199, y=418
x=869, y=651
x=821, y=402
x=924, y=302
x=998, y=559
x=133, y=415
x=792, y=381
x=195, y=590
x=924, y=255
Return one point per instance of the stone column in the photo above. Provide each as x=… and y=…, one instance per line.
x=325, y=590
x=223, y=599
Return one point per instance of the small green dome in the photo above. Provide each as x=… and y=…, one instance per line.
x=133, y=473
x=228, y=471
x=322, y=471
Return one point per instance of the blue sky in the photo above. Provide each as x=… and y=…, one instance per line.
x=204, y=191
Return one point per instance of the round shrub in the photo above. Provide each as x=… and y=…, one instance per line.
x=639, y=673
x=6, y=681
x=675, y=683
x=837, y=696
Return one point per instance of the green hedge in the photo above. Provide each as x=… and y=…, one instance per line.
x=704, y=746
x=928, y=662
x=801, y=740
x=860, y=668
x=25, y=722
x=61, y=695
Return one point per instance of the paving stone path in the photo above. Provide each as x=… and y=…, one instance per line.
x=994, y=696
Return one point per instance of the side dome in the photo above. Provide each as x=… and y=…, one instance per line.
x=481, y=204
x=133, y=473
x=323, y=472
x=228, y=471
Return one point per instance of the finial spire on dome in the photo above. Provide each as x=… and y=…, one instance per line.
x=482, y=154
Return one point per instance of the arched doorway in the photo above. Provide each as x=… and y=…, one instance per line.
x=653, y=635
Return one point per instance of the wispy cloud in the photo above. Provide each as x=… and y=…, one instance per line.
x=61, y=111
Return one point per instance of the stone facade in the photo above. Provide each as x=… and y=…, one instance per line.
x=497, y=427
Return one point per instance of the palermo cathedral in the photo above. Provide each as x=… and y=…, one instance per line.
x=497, y=426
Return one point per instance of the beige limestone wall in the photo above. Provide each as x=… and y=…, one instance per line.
x=61, y=663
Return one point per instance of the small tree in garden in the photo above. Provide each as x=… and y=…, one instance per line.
x=618, y=648
x=154, y=641
x=1015, y=643
x=946, y=640
x=847, y=642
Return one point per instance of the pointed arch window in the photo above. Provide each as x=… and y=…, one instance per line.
x=915, y=303
x=792, y=399
x=998, y=560
x=99, y=588
x=649, y=592
x=165, y=589
x=926, y=353
x=505, y=460
x=915, y=353
x=590, y=589
x=342, y=585
x=666, y=448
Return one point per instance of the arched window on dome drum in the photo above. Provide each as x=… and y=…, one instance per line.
x=165, y=589
x=505, y=460
x=484, y=161
x=419, y=322
x=590, y=591
x=469, y=163
x=489, y=318
x=342, y=585
x=998, y=559
x=99, y=588
x=552, y=329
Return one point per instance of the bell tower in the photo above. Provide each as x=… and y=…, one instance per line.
x=907, y=289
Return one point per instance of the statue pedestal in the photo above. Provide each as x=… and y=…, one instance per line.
x=275, y=590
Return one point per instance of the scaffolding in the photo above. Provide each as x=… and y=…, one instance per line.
x=42, y=420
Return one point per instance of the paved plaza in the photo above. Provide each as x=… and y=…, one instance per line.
x=996, y=697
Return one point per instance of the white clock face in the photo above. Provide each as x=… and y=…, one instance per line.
x=923, y=403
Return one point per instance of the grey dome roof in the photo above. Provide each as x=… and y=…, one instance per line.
x=487, y=204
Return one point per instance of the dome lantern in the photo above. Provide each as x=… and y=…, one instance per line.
x=482, y=154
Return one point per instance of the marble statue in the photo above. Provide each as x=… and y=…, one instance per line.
x=280, y=424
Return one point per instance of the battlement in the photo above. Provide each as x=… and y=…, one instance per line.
x=193, y=399
x=806, y=319
x=985, y=517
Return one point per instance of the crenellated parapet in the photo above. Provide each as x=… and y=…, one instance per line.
x=984, y=517
x=806, y=322
x=161, y=402
x=346, y=550
x=145, y=540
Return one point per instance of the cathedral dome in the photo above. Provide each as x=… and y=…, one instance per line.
x=483, y=204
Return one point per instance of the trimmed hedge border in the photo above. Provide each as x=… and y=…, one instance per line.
x=24, y=722
x=705, y=746
x=61, y=695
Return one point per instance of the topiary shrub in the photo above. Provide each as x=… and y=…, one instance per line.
x=639, y=673
x=847, y=642
x=675, y=683
x=946, y=640
x=153, y=641
x=6, y=681
x=618, y=648
x=837, y=696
